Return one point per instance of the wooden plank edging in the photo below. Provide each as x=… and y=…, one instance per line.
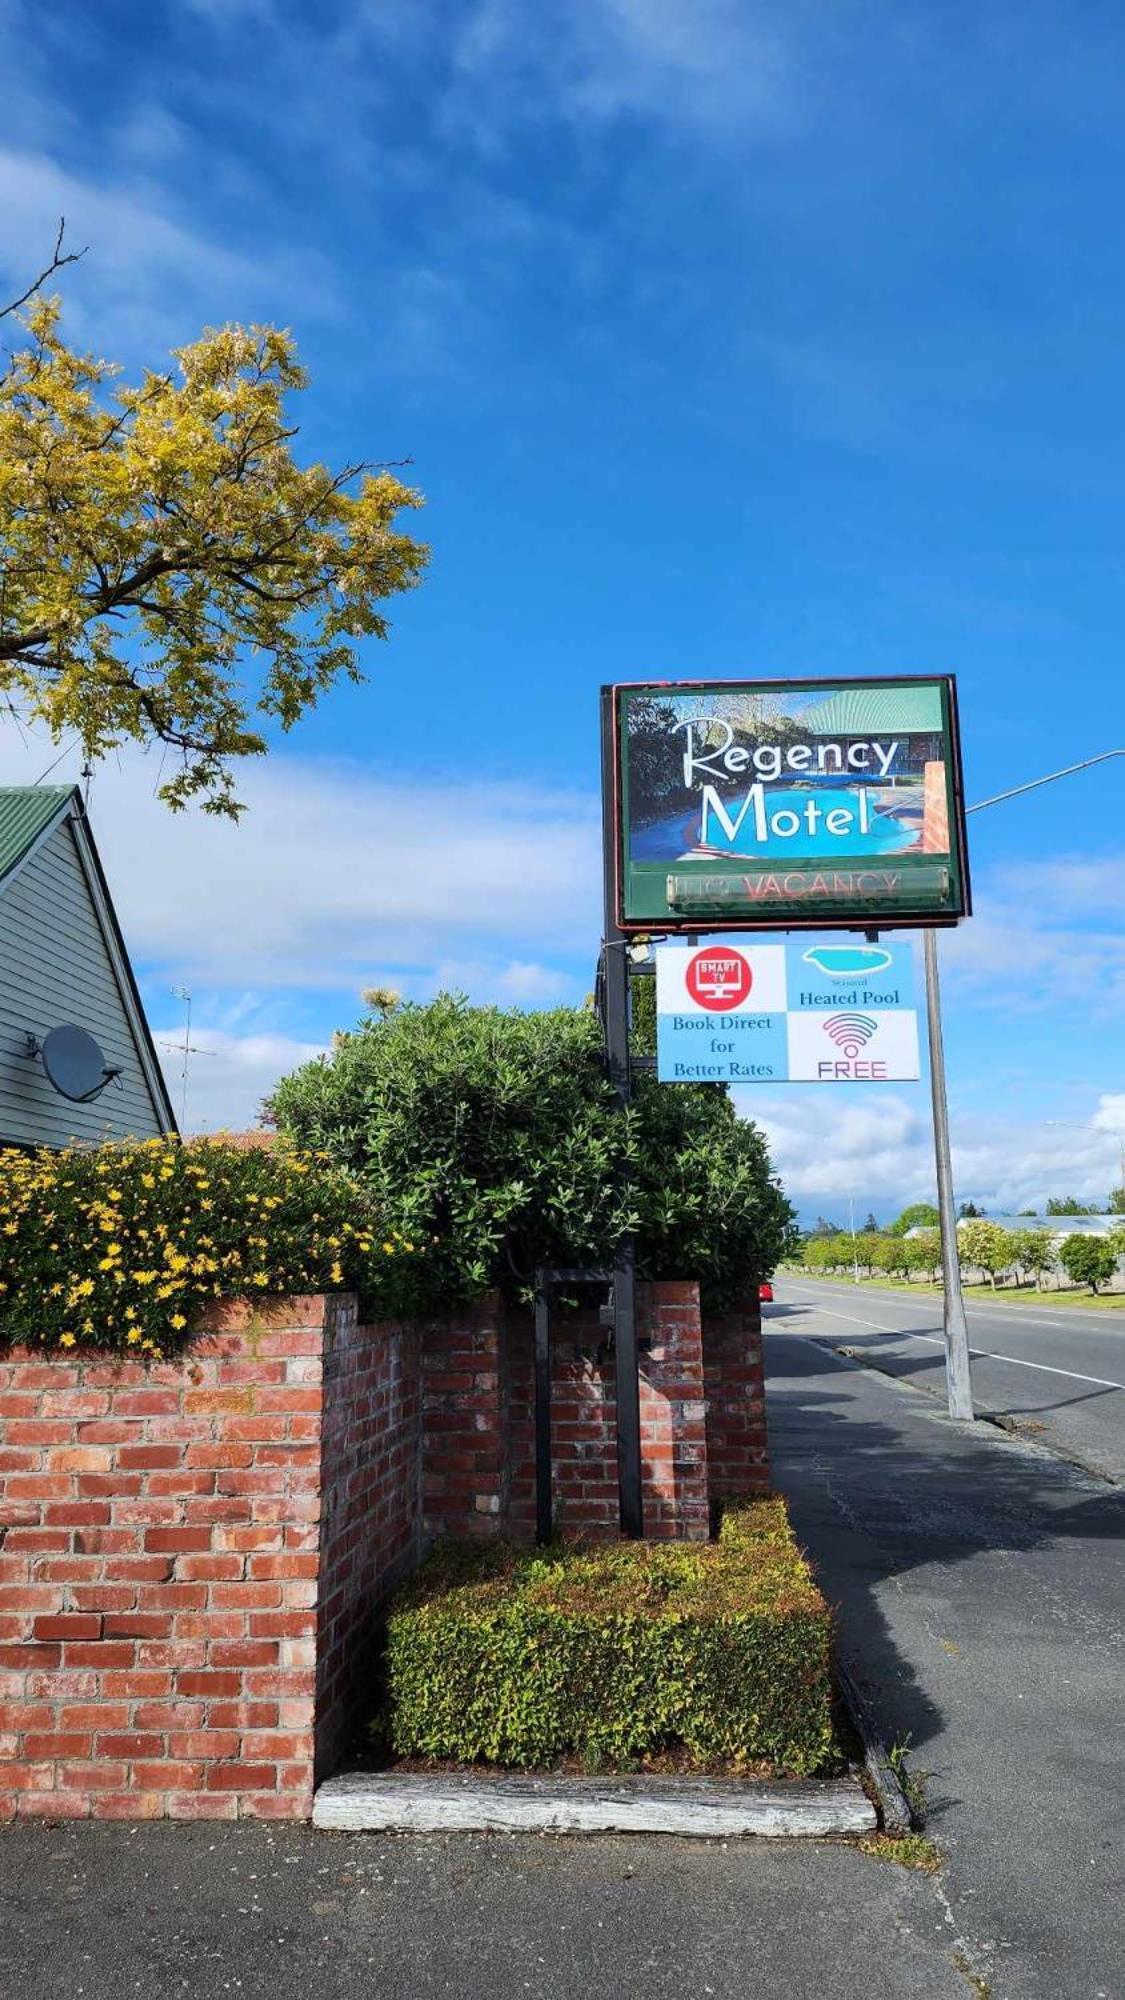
x=705, y=1808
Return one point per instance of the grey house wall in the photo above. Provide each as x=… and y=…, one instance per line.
x=55, y=967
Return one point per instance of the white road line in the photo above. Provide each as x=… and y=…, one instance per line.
x=979, y=1353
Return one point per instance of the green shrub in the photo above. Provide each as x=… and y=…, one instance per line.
x=122, y=1246
x=493, y=1136
x=609, y=1655
x=1088, y=1260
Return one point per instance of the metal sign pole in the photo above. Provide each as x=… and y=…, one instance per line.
x=957, y=1372
x=615, y=1008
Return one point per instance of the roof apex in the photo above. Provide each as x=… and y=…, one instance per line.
x=26, y=811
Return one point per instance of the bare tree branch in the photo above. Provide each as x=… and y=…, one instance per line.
x=58, y=261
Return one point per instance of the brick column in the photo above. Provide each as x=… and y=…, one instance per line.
x=584, y=1420
x=674, y=1455
x=191, y=1555
x=737, y=1446
x=464, y=1423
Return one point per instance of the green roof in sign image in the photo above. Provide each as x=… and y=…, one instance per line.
x=855, y=711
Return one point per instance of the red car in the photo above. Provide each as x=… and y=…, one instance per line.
x=765, y=1292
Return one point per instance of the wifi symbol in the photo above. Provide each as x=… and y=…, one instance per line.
x=850, y=1032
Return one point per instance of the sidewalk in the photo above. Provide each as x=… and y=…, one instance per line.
x=981, y=1593
x=205, y=1912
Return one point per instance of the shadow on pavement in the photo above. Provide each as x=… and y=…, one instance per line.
x=874, y=1500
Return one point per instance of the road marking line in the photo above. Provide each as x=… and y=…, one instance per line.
x=980, y=1353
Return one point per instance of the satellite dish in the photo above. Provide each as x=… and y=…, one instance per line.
x=74, y=1064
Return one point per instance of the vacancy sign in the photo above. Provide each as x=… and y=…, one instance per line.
x=776, y=1013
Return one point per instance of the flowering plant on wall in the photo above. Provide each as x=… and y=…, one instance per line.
x=123, y=1246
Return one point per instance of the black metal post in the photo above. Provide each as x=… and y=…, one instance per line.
x=615, y=1008
x=543, y=1518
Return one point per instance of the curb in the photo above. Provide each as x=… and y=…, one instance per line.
x=1011, y=1428
x=704, y=1808
x=894, y=1806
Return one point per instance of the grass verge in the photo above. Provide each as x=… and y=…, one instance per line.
x=707, y=1653
x=907, y=1850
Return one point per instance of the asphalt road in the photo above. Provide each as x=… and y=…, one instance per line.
x=105, y=1912
x=1062, y=1369
x=979, y=1585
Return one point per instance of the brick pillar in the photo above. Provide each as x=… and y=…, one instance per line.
x=465, y=1473
x=737, y=1446
x=584, y=1420
x=673, y=1412
x=191, y=1557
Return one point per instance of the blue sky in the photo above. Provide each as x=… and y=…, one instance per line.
x=724, y=338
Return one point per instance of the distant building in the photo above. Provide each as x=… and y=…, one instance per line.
x=63, y=963
x=1058, y=1225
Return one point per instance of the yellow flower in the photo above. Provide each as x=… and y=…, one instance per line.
x=337, y=1273
x=389, y=1248
x=177, y=1320
x=66, y=1340
x=133, y=1335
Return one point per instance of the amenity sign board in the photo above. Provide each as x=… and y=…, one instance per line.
x=766, y=805
x=776, y=1013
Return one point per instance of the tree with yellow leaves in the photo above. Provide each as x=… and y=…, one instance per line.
x=169, y=574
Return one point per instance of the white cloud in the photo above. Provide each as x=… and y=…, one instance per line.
x=228, y=1075
x=713, y=64
x=826, y=1150
x=148, y=279
x=333, y=871
x=1063, y=945
x=1110, y=1114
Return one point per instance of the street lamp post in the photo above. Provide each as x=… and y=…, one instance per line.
x=958, y=1376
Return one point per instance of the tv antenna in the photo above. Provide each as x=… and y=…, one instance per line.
x=185, y=1049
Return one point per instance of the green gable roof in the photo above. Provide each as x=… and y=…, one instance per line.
x=25, y=812
x=876, y=711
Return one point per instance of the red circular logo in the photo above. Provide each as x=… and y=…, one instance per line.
x=719, y=979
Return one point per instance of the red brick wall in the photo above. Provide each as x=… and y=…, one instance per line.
x=178, y=1543
x=737, y=1448
x=464, y=1392
x=371, y=1524
x=584, y=1420
x=193, y=1555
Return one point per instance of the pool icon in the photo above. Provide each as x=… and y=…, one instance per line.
x=848, y=961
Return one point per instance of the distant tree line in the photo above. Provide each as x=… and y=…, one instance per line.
x=1002, y=1256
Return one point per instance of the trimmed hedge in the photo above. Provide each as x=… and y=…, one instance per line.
x=718, y=1650
x=123, y=1246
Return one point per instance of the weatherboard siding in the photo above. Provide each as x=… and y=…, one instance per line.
x=54, y=967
